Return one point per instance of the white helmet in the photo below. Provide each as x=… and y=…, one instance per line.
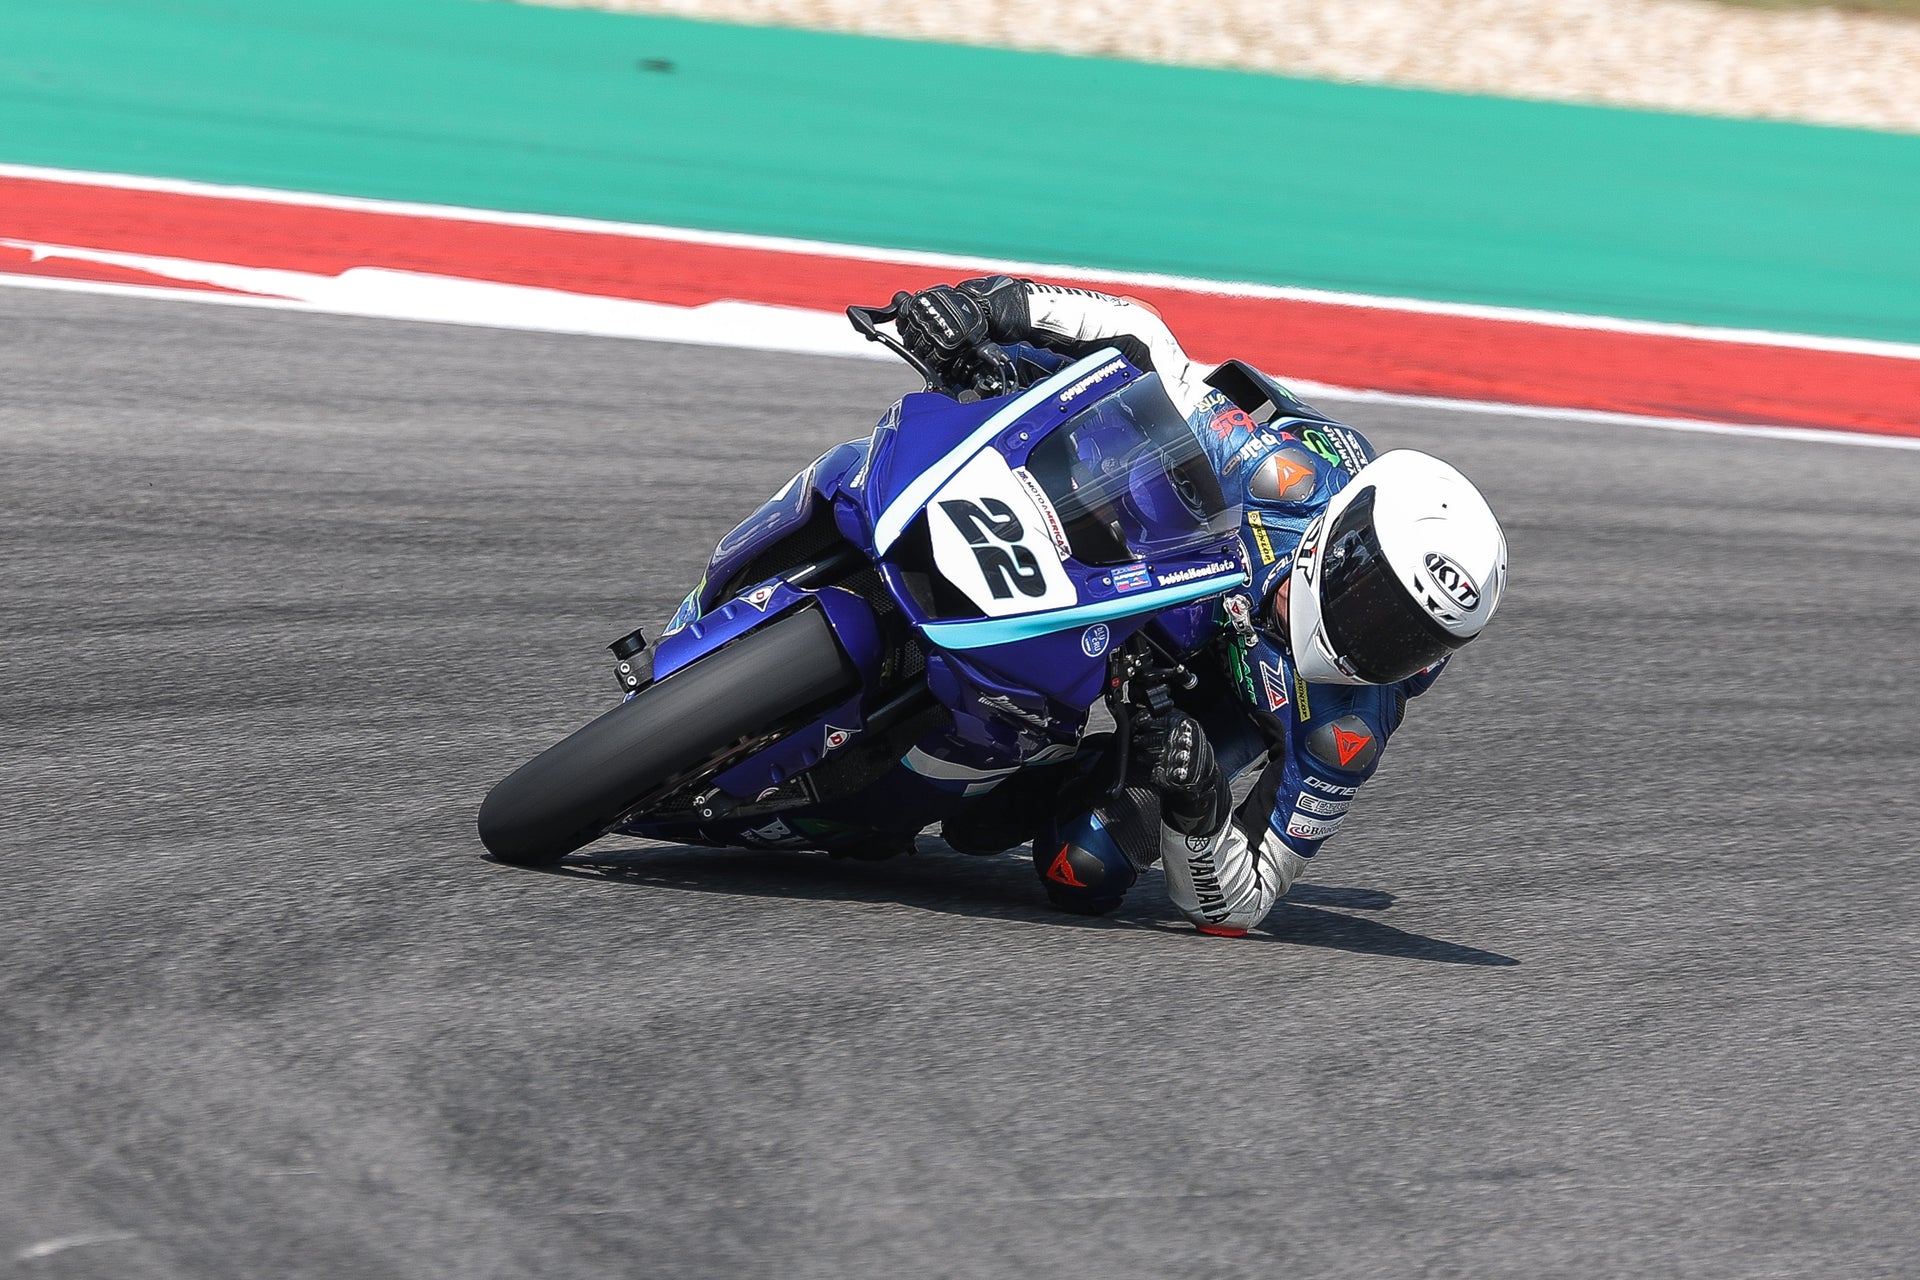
x=1404, y=566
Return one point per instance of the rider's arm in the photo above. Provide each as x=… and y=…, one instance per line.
x=1225, y=872
x=1219, y=878
x=1078, y=322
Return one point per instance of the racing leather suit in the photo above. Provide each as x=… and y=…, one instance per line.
x=1295, y=753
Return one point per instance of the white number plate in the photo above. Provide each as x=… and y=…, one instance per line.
x=990, y=540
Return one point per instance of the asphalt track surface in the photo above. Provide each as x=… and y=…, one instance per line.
x=1612, y=972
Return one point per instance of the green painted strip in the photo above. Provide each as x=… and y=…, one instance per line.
x=1106, y=164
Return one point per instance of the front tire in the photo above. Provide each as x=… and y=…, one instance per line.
x=576, y=790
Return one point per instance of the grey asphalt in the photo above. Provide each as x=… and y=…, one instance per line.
x=1611, y=974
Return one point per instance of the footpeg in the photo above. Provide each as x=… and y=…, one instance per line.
x=632, y=662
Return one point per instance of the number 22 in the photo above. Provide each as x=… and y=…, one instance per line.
x=1003, y=567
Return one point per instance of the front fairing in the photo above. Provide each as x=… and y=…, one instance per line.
x=1051, y=637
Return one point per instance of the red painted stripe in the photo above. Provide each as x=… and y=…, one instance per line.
x=21, y=262
x=1355, y=346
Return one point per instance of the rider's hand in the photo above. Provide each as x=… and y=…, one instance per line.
x=941, y=323
x=951, y=320
x=1188, y=779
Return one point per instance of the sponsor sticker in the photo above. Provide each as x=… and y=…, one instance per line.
x=1242, y=674
x=1048, y=516
x=1352, y=449
x=1261, y=542
x=1101, y=374
x=1300, y=696
x=759, y=596
x=1307, y=827
x=1276, y=686
x=837, y=738
x=775, y=833
x=1093, y=641
x=1453, y=581
x=1307, y=558
x=1337, y=445
x=1197, y=572
x=1225, y=424
x=1319, y=443
x=1008, y=707
x=1132, y=578
x=1324, y=807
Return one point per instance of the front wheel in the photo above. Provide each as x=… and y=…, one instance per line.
x=579, y=788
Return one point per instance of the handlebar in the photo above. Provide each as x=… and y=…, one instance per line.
x=985, y=370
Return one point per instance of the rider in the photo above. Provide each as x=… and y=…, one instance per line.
x=1366, y=573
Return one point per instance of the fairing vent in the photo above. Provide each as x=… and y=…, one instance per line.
x=803, y=546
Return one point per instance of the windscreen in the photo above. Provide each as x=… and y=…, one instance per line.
x=1131, y=480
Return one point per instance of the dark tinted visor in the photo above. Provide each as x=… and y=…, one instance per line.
x=1373, y=623
x=1131, y=480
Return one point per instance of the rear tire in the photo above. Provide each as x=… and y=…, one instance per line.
x=574, y=791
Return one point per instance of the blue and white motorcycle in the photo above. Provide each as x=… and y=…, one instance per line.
x=912, y=620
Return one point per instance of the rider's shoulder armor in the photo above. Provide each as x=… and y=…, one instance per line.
x=1281, y=474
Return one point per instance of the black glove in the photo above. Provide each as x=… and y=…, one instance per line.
x=1192, y=801
x=948, y=321
x=941, y=324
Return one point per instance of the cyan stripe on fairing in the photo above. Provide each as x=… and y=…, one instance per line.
x=992, y=631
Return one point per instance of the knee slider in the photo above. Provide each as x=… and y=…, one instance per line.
x=1082, y=866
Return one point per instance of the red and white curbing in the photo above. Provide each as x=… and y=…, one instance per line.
x=151, y=237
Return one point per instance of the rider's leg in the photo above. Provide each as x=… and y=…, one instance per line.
x=1011, y=814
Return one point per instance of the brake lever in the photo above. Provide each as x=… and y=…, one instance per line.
x=867, y=321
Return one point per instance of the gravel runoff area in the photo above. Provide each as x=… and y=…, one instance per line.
x=1821, y=65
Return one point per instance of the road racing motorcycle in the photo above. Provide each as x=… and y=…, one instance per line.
x=913, y=619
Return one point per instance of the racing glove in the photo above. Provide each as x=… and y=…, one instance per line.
x=1214, y=877
x=1192, y=801
x=948, y=321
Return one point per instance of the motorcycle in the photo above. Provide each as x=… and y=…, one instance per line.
x=913, y=619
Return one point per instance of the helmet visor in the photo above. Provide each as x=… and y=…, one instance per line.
x=1131, y=480
x=1375, y=627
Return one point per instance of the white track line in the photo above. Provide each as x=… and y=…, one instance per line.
x=1518, y=315
x=399, y=295
x=655, y=323
x=1602, y=417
